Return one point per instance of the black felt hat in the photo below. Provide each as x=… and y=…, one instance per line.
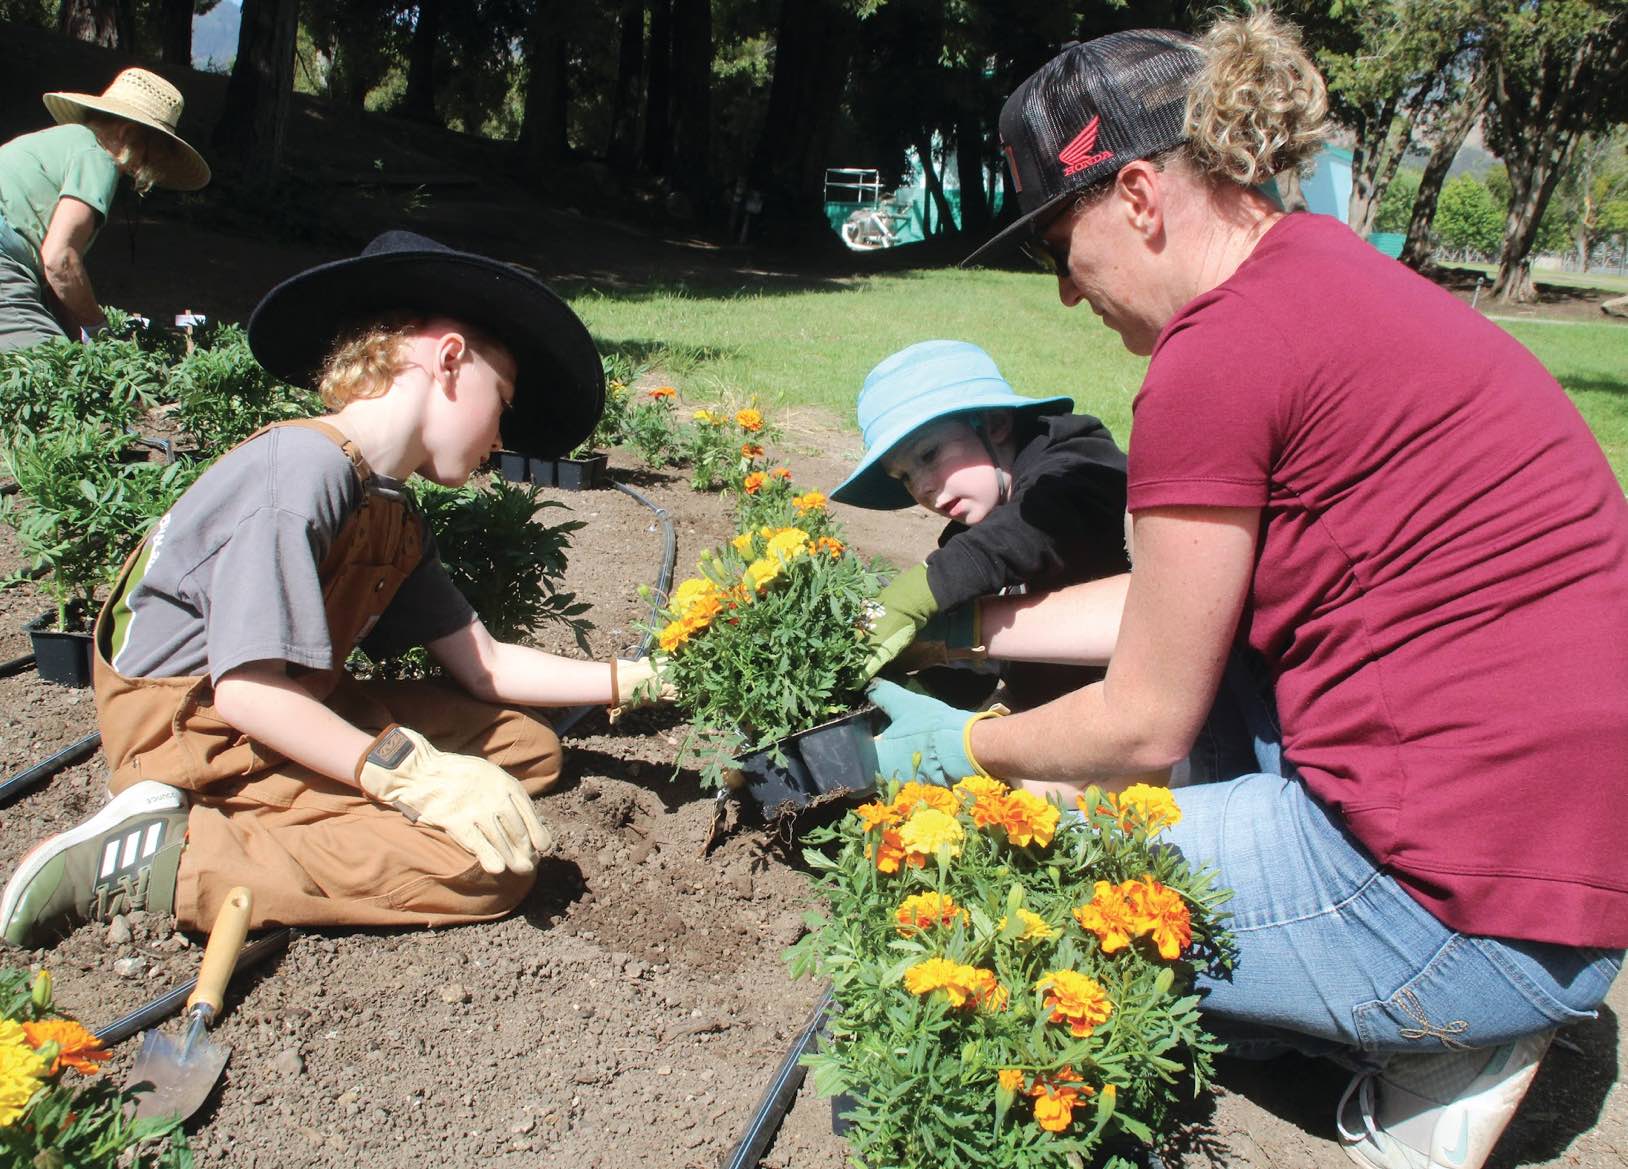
x=1087, y=112
x=559, y=392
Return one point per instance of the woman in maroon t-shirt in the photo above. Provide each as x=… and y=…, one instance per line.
x=1348, y=485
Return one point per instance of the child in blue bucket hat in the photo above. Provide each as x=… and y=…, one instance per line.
x=1034, y=493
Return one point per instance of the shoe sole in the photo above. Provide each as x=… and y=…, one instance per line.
x=147, y=797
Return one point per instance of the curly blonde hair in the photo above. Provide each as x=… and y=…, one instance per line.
x=364, y=361
x=1258, y=106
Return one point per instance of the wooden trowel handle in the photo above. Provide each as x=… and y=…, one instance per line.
x=220, y=954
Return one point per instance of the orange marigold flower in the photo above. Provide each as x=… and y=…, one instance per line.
x=808, y=501
x=985, y=799
x=987, y=990
x=890, y=852
x=877, y=815
x=1029, y=819
x=1075, y=1001
x=78, y=1048
x=751, y=450
x=781, y=473
x=924, y=910
x=962, y=985
x=1110, y=916
x=673, y=635
x=829, y=545
x=915, y=793
x=1055, y=1099
x=662, y=392
x=749, y=420
x=754, y=481
x=1011, y=1080
x=1161, y=913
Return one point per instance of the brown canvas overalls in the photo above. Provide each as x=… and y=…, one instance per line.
x=317, y=851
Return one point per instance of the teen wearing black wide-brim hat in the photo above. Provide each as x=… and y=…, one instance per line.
x=242, y=751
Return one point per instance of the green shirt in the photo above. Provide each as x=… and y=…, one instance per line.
x=38, y=169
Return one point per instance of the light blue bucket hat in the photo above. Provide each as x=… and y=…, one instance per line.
x=928, y=381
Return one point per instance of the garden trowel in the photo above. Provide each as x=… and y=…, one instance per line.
x=173, y=1078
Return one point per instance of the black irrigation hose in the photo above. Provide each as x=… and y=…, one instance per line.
x=778, y=1096
x=664, y=581
x=16, y=665
x=49, y=766
x=171, y=1001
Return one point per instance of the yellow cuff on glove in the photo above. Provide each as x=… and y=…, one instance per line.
x=481, y=806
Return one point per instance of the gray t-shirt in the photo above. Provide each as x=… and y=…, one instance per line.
x=231, y=570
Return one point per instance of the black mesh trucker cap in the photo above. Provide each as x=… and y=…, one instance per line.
x=1087, y=112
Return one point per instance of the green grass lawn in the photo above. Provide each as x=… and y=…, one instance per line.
x=815, y=346
x=1604, y=281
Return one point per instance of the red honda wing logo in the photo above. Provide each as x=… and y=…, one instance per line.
x=1077, y=155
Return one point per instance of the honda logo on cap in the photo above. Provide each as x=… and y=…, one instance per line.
x=1077, y=155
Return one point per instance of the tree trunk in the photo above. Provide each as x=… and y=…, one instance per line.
x=923, y=143
x=358, y=61
x=543, y=124
x=814, y=43
x=624, y=140
x=255, y=114
x=658, y=96
x=419, y=103
x=1374, y=165
x=1419, y=250
x=175, y=32
x=100, y=22
x=692, y=102
x=969, y=172
x=1529, y=193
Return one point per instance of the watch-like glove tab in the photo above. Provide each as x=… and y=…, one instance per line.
x=481, y=806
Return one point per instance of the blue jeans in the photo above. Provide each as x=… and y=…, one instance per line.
x=1333, y=954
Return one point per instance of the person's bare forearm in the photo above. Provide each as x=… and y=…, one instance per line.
x=69, y=283
x=271, y=708
x=523, y=676
x=1077, y=626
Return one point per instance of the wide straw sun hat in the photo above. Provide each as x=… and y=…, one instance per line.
x=928, y=381
x=140, y=96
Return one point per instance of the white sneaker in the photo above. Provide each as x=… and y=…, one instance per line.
x=1445, y=1110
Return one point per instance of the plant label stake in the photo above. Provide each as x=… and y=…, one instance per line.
x=174, y=1079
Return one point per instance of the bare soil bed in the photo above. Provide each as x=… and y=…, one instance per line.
x=633, y=1011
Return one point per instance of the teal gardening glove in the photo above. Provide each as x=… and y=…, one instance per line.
x=925, y=739
x=907, y=605
x=947, y=638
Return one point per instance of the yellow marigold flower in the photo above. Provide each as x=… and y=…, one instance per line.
x=742, y=543
x=689, y=592
x=762, y=571
x=1075, y=1001
x=1154, y=807
x=706, y=416
x=781, y=473
x=961, y=984
x=928, y=830
x=751, y=450
x=1029, y=819
x=21, y=1070
x=661, y=393
x=1011, y=1080
x=829, y=544
x=876, y=816
x=77, y=1048
x=1110, y=916
x=788, y=544
x=1055, y=1099
x=808, y=501
x=749, y=420
x=1160, y=912
x=673, y=635
x=754, y=481
x=916, y=793
x=1035, y=927
x=924, y=910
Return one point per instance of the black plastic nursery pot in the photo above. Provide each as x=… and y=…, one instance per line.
x=832, y=759
x=63, y=658
x=542, y=472
x=511, y=466
x=582, y=474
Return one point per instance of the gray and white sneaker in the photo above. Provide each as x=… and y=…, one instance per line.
x=1444, y=1110
x=125, y=857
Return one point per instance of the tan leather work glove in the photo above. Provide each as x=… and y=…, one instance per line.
x=477, y=803
x=632, y=688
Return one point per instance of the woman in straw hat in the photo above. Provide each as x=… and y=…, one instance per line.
x=1347, y=484
x=57, y=185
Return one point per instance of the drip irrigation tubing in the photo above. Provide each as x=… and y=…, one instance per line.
x=173, y=1000
x=664, y=581
x=43, y=770
x=778, y=1096
x=16, y=665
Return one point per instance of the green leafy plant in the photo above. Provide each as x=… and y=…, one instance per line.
x=110, y=380
x=650, y=426
x=505, y=560
x=720, y=445
x=1012, y=984
x=223, y=395
x=80, y=509
x=768, y=639
x=56, y=1109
